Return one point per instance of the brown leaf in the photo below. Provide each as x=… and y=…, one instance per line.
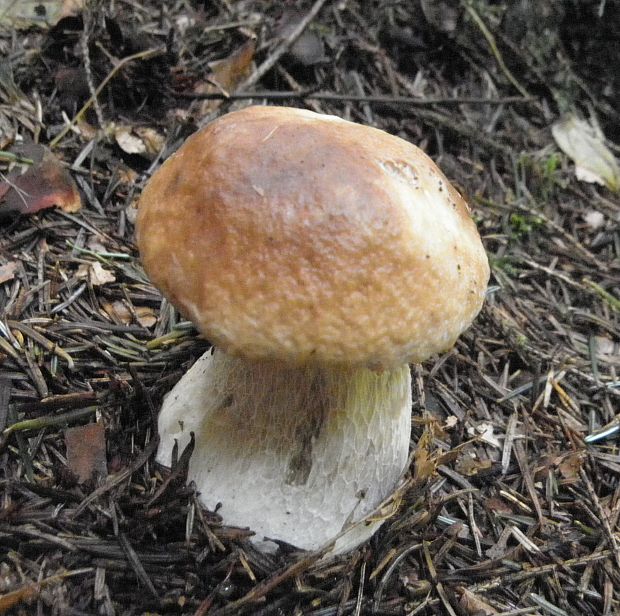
x=470, y=465
x=153, y=141
x=127, y=175
x=86, y=451
x=43, y=185
x=95, y=273
x=497, y=505
x=229, y=72
x=424, y=466
x=570, y=466
x=226, y=75
x=146, y=317
x=139, y=140
x=7, y=271
x=474, y=605
x=128, y=141
x=118, y=312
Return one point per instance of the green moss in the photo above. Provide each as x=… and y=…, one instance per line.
x=503, y=264
x=524, y=224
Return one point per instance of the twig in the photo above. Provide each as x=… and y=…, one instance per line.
x=262, y=588
x=178, y=470
x=527, y=478
x=27, y=592
x=513, y=577
x=283, y=47
x=142, y=55
x=355, y=98
x=456, y=125
x=360, y=591
x=77, y=399
x=6, y=386
x=575, y=243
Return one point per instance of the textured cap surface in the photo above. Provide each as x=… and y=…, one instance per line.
x=286, y=234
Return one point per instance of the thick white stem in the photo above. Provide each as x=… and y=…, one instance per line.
x=296, y=454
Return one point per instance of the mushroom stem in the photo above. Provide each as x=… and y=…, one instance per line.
x=295, y=453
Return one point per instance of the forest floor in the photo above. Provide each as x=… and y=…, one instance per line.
x=516, y=508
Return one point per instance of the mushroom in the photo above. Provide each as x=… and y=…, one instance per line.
x=320, y=257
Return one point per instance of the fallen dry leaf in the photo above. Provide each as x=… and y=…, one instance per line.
x=606, y=348
x=474, y=605
x=87, y=131
x=424, y=464
x=131, y=211
x=226, y=75
x=86, y=451
x=127, y=141
x=153, y=141
x=585, y=144
x=498, y=505
x=126, y=175
x=139, y=140
x=146, y=317
x=44, y=184
x=470, y=465
x=96, y=274
x=229, y=72
x=451, y=421
x=121, y=315
x=7, y=271
x=118, y=312
x=570, y=466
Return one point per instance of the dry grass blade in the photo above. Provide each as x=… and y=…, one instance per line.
x=283, y=47
x=265, y=586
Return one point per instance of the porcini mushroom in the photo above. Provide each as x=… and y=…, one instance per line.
x=320, y=257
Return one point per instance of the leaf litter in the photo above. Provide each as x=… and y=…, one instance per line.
x=512, y=501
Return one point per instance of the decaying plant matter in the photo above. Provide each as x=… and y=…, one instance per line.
x=512, y=501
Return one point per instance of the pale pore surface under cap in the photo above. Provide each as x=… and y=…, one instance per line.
x=286, y=234
x=296, y=454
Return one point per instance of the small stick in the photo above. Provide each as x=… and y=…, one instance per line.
x=28, y=592
x=354, y=98
x=283, y=47
x=142, y=55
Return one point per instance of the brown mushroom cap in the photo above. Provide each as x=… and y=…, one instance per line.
x=285, y=234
